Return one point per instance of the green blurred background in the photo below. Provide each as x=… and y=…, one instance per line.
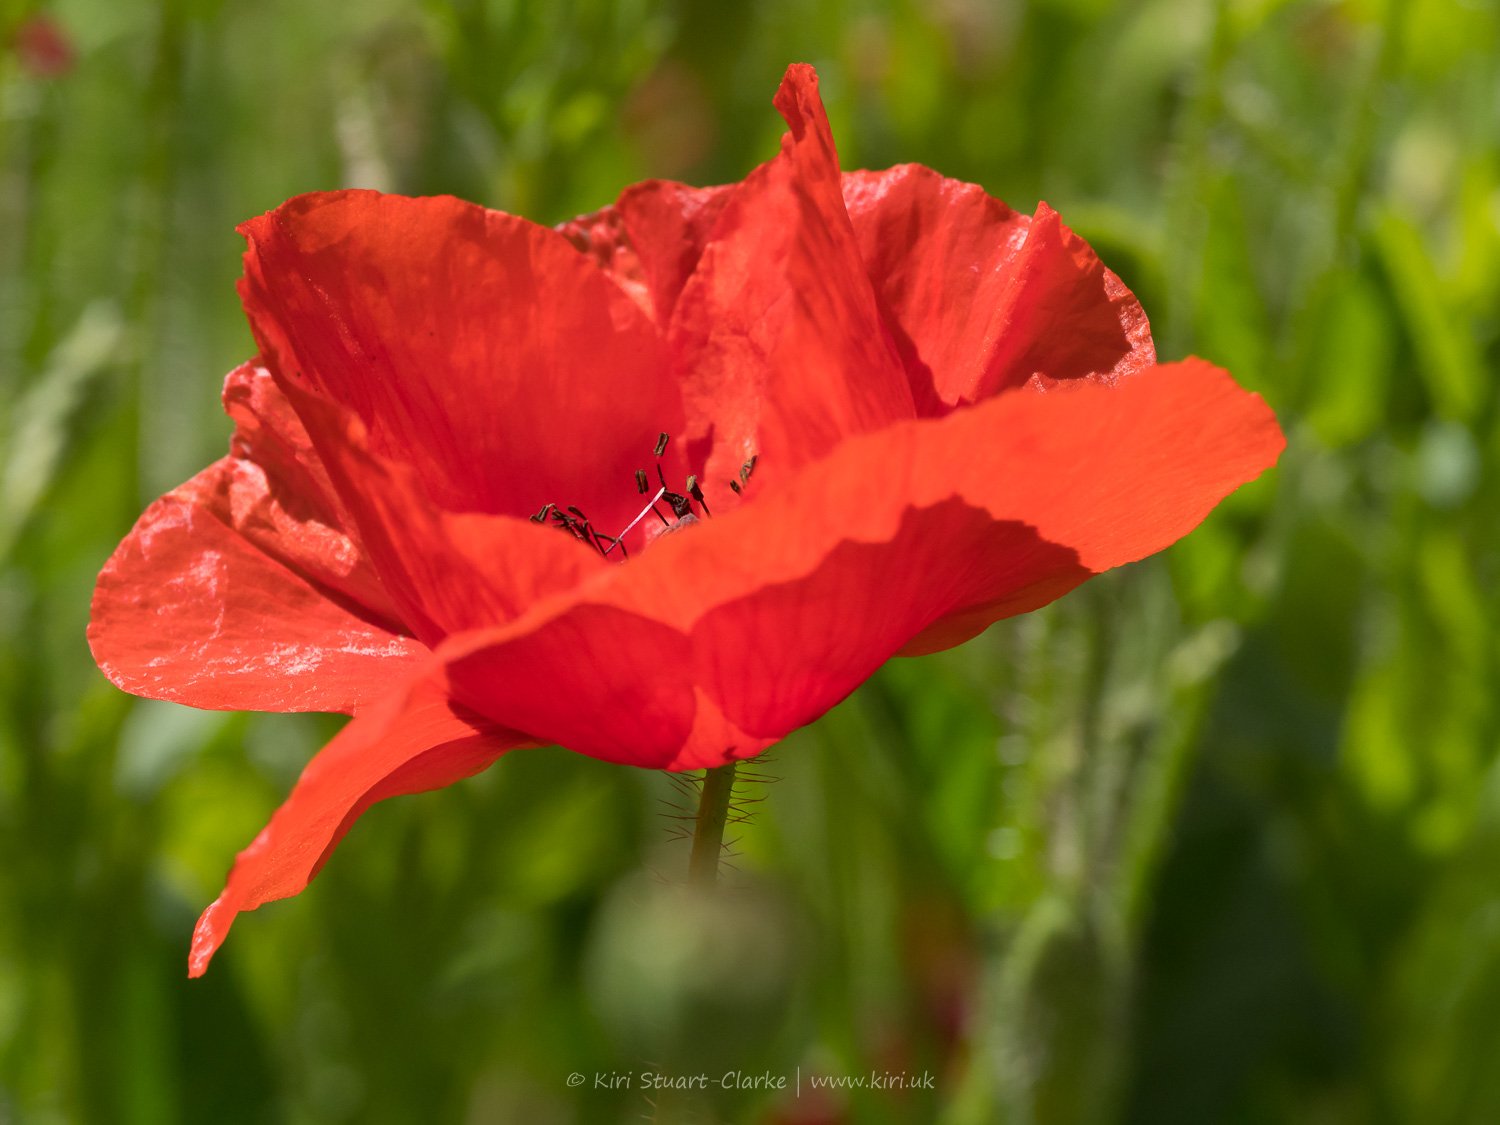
x=1214, y=839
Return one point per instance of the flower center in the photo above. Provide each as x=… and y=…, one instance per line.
x=681, y=504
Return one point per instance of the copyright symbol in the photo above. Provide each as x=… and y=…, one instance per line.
x=575, y=1080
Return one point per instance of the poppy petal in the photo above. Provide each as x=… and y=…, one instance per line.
x=650, y=240
x=296, y=515
x=181, y=608
x=982, y=298
x=447, y=571
x=1068, y=317
x=843, y=629
x=907, y=540
x=413, y=741
x=478, y=348
x=777, y=338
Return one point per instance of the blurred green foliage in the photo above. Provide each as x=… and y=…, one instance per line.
x=1216, y=838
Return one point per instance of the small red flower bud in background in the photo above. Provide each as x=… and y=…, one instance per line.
x=43, y=47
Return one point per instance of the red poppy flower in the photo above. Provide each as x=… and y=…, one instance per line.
x=907, y=412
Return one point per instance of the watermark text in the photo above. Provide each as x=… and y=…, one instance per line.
x=793, y=1083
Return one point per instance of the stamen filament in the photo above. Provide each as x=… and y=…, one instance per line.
x=650, y=507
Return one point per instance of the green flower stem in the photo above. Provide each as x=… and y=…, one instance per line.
x=708, y=830
x=686, y=1107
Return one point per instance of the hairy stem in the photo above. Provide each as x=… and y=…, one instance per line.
x=708, y=830
x=681, y=1107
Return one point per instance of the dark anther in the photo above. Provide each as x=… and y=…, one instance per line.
x=745, y=470
x=640, y=481
x=697, y=493
x=680, y=504
x=661, y=444
x=577, y=524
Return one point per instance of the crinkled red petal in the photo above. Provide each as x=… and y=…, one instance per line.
x=447, y=571
x=247, y=587
x=650, y=240
x=981, y=298
x=414, y=741
x=479, y=349
x=730, y=634
x=281, y=499
x=777, y=339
